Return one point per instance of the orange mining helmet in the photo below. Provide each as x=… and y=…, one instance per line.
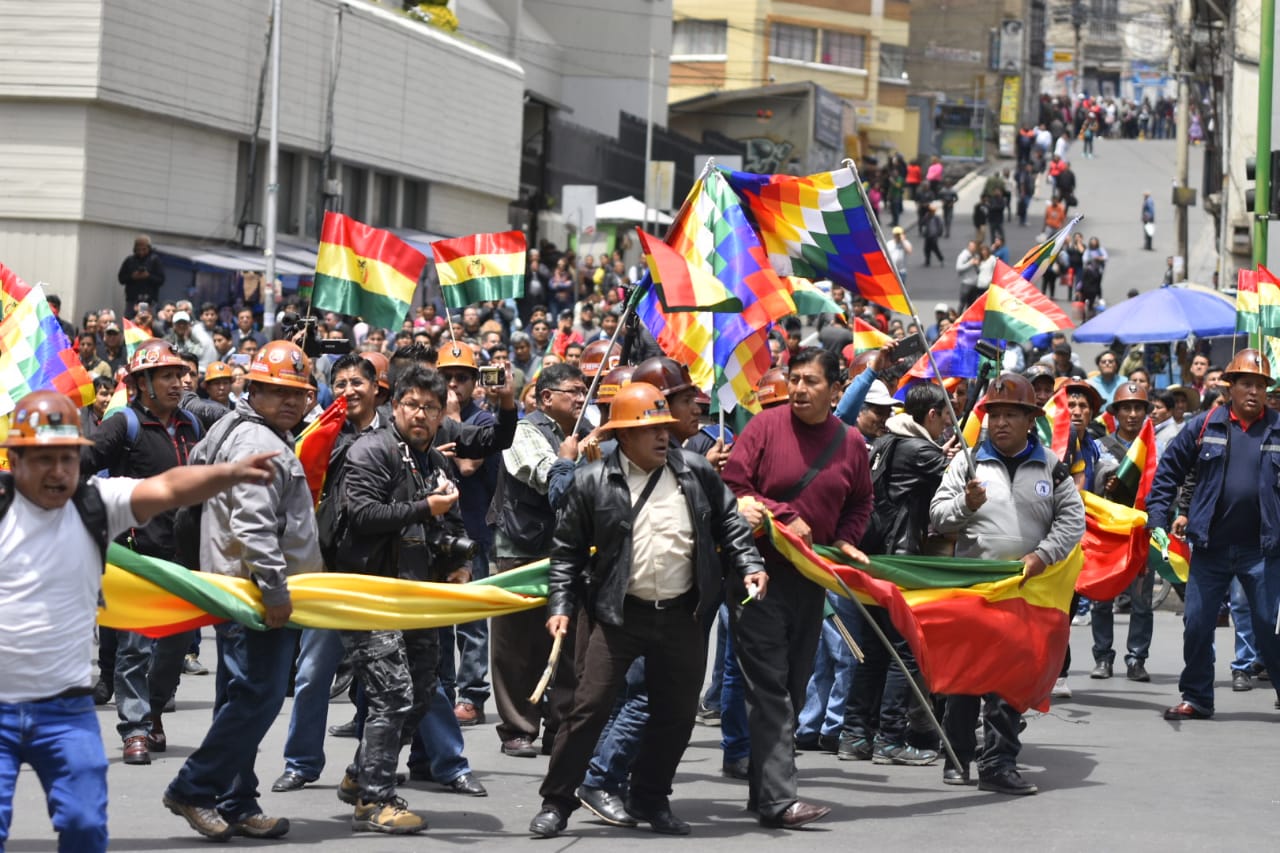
x=154, y=354
x=456, y=355
x=639, y=405
x=1130, y=391
x=281, y=363
x=599, y=356
x=772, y=390
x=612, y=383
x=664, y=373
x=381, y=366
x=217, y=370
x=1013, y=390
x=1079, y=386
x=45, y=419
x=1248, y=362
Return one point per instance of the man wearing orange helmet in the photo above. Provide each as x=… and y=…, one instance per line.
x=1233, y=522
x=655, y=574
x=152, y=435
x=263, y=535
x=1018, y=502
x=1130, y=406
x=49, y=609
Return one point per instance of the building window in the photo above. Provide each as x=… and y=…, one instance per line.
x=1103, y=15
x=787, y=41
x=844, y=49
x=413, y=205
x=384, y=210
x=355, y=182
x=692, y=37
x=893, y=61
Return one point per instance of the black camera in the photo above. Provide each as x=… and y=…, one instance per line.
x=312, y=344
x=454, y=550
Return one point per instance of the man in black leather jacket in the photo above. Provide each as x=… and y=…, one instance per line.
x=655, y=517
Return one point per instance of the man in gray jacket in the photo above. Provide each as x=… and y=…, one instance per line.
x=1018, y=502
x=265, y=534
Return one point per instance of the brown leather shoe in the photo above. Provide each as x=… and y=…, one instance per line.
x=1186, y=711
x=156, y=741
x=797, y=815
x=519, y=747
x=135, y=750
x=467, y=714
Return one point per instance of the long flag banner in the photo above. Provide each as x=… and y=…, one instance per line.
x=973, y=625
x=314, y=445
x=12, y=290
x=35, y=354
x=821, y=226
x=365, y=271
x=481, y=267
x=1017, y=311
x=1116, y=547
x=1037, y=259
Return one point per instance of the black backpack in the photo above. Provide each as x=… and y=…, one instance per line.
x=186, y=521
x=88, y=502
x=884, y=514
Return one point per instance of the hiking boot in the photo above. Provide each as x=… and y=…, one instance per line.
x=349, y=790
x=852, y=749
x=203, y=820
x=392, y=817
x=893, y=753
x=261, y=826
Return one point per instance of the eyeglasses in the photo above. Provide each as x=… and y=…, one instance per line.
x=572, y=392
x=428, y=409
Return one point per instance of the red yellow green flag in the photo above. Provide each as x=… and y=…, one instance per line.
x=962, y=618
x=119, y=399
x=366, y=272
x=158, y=598
x=809, y=299
x=314, y=445
x=133, y=335
x=681, y=285
x=1115, y=546
x=1017, y=311
x=867, y=337
x=481, y=267
x=12, y=290
x=1176, y=568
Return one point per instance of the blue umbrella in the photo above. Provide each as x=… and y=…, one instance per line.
x=1160, y=316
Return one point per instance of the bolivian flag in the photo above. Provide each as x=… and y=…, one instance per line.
x=1116, y=547
x=682, y=286
x=481, y=268
x=133, y=336
x=366, y=272
x=1017, y=311
x=12, y=290
x=314, y=445
x=809, y=299
x=975, y=626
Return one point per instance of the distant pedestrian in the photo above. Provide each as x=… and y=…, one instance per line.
x=1148, y=221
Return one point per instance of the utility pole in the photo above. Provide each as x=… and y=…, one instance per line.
x=1077, y=22
x=1263, y=176
x=273, y=175
x=1181, y=50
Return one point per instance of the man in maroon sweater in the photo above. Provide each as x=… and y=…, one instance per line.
x=811, y=472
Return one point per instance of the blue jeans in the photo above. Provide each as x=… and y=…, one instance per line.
x=711, y=698
x=317, y=664
x=833, y=667
x=735, y=736
x=1212, y=570
x=620, y=741
x=437, y=744
x=1246, y=644
x=146, y=674
x=1141, y=623
x=219, y=774
x=61, y=741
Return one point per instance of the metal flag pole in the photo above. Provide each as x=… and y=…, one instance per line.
x=875, y=224
x=915, y=688
x=273, y=176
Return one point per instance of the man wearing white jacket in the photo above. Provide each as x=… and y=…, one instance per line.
x=1020, y=503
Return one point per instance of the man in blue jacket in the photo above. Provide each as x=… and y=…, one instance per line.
x=1233, y=454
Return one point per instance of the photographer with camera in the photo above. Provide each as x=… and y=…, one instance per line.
x=401, y=501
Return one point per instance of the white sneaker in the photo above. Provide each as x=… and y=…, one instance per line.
x=1082, y=618
x=1061, y=690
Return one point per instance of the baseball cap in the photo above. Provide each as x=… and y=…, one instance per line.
x=898, y=229
x=110, y=327
x=941, y=308
x=878, y=395
x=181, y=317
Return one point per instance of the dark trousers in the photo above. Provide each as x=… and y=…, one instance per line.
x=931, y=249
x=775, y=639
x=880, y=695
x=397, y=670
x=520, y=645
x=674, y=648
x=1000, y=744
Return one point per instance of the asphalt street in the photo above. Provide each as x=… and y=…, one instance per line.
x=1112, y=774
